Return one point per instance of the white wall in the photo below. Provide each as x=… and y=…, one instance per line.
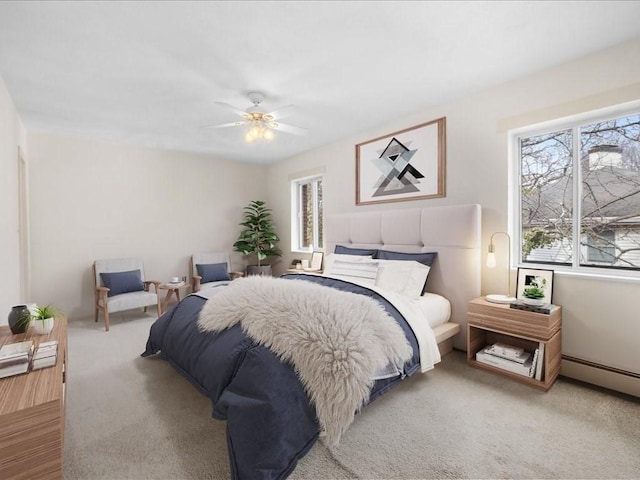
x=477, y=172
x=11, y=137
x=92, y=200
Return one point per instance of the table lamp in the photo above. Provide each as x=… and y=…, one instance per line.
x=491, y=263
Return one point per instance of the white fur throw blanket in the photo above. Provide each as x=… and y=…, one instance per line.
x=335, y=340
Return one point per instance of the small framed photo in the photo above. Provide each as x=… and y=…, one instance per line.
x=534, y=286
x=316, y=260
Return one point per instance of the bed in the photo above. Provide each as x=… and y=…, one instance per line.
x=287, y=360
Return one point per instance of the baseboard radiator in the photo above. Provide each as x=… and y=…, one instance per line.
x=601, y=375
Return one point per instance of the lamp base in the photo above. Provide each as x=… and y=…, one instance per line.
x=495, y=298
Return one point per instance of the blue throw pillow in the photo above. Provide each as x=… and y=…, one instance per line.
x=424, y=258
x=122, y=282
x=342, y=250
x=213, y=272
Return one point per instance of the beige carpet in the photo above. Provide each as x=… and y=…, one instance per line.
x=134, y=418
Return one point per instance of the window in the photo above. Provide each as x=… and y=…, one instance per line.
x=577, y=192
x=306, y=224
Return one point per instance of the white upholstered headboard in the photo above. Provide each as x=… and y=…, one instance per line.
x=452, y=231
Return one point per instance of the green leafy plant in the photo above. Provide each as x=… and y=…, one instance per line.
x=41, y=313
x=258, y=236
x=535, y=289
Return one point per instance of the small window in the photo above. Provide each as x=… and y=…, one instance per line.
x=306, y=222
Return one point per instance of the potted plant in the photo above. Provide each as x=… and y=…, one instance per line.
x=42, y=318
x=258, y=237
x=534, y=292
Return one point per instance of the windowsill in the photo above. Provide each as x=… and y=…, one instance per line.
x=609, y=276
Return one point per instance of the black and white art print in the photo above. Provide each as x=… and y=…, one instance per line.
x=405, y=165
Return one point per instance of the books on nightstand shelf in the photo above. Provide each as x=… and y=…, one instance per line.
x=45, y=355
x=515, y=354
x=15, y=357
x=540, y=365
x=511, y=359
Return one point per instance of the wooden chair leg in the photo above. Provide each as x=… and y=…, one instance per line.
x=159, y=310
x=96, y=313
x=145, y=309
x=106, y=319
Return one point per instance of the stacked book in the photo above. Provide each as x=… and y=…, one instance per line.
x=510, y=358
x=45, y=355
x=546, y=308
x=15, y=357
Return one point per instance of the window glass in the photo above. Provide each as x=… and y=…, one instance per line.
x=307, y=214
x=547, y=197
x=610, y=199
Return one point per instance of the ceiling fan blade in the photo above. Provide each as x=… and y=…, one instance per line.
x=235, y=110
x=283, y=127
x=225, y=125
x=281, y=112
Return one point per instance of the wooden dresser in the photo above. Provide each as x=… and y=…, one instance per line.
x=32, y=409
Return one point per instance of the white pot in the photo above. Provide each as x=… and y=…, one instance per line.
x=43, y=326
x=533, y=301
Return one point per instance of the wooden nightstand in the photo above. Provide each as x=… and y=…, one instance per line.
x=489, y=323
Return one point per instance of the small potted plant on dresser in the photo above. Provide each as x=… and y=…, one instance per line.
x=42, y=318
x=258, y=237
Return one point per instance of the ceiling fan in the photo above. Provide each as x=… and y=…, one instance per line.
x=261, y=124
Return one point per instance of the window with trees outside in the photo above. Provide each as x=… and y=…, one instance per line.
x=578, y=193
x=306, y=222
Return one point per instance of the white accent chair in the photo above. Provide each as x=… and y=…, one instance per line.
x=207, y=258
x=122, y=301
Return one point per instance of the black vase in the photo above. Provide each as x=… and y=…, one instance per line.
x=17, y=323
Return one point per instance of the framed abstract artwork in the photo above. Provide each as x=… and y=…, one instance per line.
x=401, y=166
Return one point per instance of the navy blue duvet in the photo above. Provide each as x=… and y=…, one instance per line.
x=270, y=421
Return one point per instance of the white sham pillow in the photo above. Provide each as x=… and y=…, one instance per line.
x=404, y=277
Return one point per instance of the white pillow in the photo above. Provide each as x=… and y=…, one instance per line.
x=403, y=277
x=355, y=269
x=332, y=257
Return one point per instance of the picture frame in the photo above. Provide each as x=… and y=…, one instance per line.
x=402, y=166
x=534, y=277
x=316, y=261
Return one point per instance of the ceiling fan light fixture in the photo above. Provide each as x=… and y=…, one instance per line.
x=258, y=131
x=260, y=125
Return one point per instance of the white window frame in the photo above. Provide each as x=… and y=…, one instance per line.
x=515, y=201
x=296, y=213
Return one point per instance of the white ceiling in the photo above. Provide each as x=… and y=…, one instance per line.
x=150, y=73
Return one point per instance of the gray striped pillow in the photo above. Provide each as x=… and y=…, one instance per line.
x=362, y=273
